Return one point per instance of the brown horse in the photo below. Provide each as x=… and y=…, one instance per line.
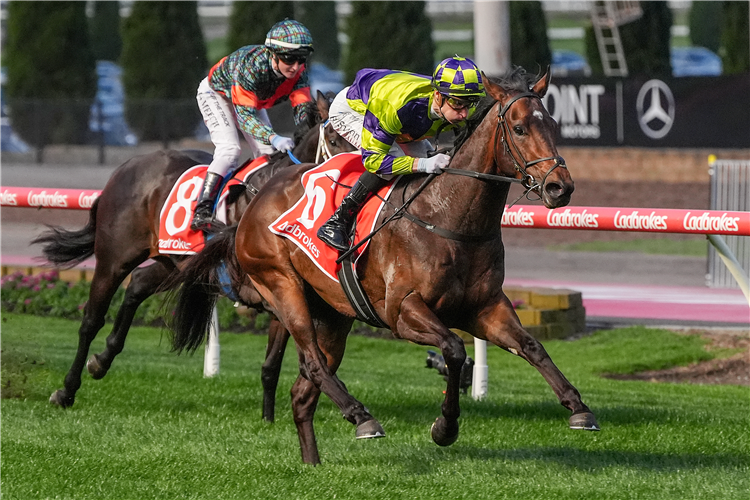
x=421, y=283
x=122, y=232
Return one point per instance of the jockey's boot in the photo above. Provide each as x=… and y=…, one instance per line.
x=203, y=217
x=335, y=232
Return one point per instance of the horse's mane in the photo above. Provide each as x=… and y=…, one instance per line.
x=516, y=79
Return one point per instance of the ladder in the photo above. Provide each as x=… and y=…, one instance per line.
x=606, y=16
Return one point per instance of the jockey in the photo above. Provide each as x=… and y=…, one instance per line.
x=236, y=94
x=383, y=107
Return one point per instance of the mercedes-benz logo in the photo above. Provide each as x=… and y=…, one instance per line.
x=655, y=120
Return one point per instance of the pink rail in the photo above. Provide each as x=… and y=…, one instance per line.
x=658, y=220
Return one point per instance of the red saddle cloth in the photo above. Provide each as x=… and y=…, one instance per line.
x=325, y=187
x=175, y=235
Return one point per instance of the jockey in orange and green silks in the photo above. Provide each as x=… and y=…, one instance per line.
x=234, y=98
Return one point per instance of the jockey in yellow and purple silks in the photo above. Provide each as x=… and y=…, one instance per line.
x=235, y=96
x=385, y=108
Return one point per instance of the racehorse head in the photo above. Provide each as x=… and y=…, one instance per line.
x=523, y=142
x=320, y=146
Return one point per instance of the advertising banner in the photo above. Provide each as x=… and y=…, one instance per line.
x=686, y=112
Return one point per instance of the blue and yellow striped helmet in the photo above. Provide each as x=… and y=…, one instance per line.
x=458, y=77
x=289, y=37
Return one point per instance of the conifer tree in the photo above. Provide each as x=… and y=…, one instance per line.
x=735, y=53
x=249, y=22
x=704, y=21
x=645, y=42
x=529, y=46
x=51, y=72
x=392, y=35
x=320, y=19
x=163, y=61
x=104, y=27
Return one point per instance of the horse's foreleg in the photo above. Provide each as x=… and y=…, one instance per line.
x=502, y=327
x=278, y=336
x=416, y=322
x=145, y=281
x=103, y=287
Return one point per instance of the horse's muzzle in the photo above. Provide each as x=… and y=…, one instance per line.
x=556, y=193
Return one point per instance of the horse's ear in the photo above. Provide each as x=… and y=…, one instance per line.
x=540, y=87
x=492, y=89
x=323, y=105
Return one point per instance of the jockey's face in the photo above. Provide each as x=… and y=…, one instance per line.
x=288, y=70
x=448, y=112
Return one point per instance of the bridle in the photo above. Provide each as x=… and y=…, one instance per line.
x=506, y=138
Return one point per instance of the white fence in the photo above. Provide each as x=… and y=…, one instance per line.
x=730, y=190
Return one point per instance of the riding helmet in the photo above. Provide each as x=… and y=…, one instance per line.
x=458, y=77
x=289, y=37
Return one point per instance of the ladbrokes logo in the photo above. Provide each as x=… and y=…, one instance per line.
x=45, y=199
x=87, y=201
x=174, y=244
x=295, y=231
x=651, y=221
x=567, y=218
x=518, y=218
x=575, y=109
x=705, y=222
x=8, y=198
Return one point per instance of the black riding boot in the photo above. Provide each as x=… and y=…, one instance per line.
x=204, y=210
x=335, y=232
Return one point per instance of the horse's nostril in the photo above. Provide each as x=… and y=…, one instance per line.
x=554, y=190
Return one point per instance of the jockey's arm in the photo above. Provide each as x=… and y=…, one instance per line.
x=378, y=136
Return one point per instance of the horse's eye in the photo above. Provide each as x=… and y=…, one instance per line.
x=332, y=142
x=518, y=130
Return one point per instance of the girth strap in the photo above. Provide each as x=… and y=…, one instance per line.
x=356, y=294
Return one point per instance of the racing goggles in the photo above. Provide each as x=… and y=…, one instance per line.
x=459, y=104
x=290, y=59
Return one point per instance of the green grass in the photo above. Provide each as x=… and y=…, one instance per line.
x=691, y=247
x=155, y=428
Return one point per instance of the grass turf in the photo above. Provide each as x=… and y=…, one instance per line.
x=155, y=428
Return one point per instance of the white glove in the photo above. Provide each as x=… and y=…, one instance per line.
x=281, y=143
x=433, y=165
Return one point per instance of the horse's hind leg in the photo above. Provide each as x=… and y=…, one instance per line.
x=278, y=336
x=103, y=287
x=502, y=327
x=145, y=281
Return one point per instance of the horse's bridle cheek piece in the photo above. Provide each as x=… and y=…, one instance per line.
x=506, y=138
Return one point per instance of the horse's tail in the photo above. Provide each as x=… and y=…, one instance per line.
x=69, y=248
x=201, y=287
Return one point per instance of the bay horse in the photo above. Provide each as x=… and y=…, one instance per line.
x=421, y=283
x=122, y=233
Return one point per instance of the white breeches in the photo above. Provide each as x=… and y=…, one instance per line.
x=218, y=115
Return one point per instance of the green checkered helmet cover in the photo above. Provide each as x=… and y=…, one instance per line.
x=289, y=37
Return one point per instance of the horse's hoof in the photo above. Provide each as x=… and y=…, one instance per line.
x=60, y=399
x=370, y=429
x=444, y=433
x=586, y=421
x=95, y=367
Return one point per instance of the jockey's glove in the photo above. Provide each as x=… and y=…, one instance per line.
x=432, y=165
x=281, y=143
